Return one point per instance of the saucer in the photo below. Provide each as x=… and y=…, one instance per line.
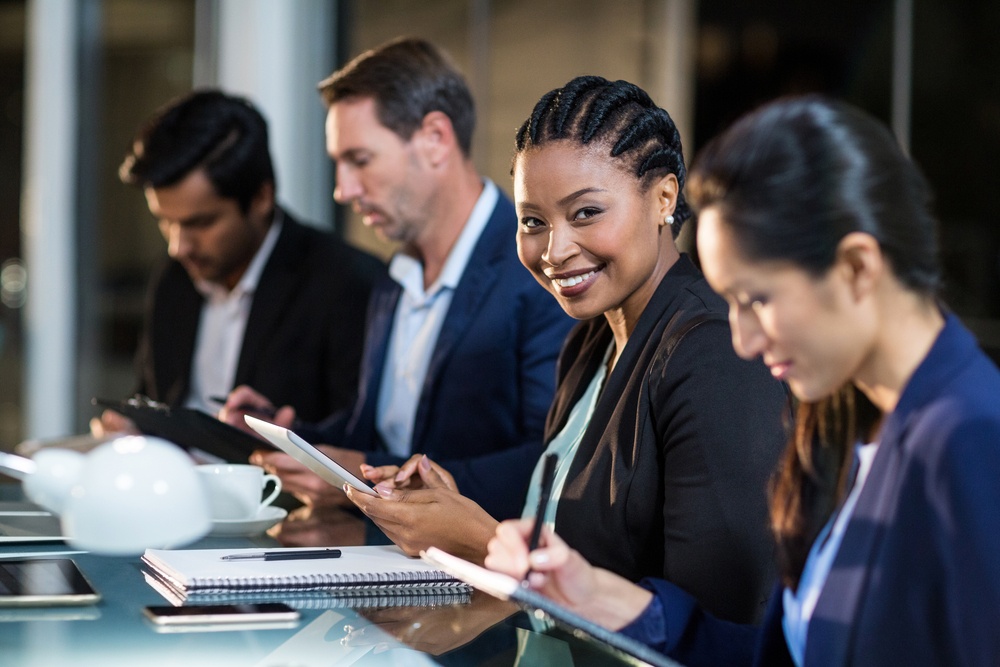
x=266, y=517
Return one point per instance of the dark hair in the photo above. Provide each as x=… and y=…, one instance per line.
x=794, y=177
x=208, y=129
x=407, y=78
x=591, y=109
x=790, y=180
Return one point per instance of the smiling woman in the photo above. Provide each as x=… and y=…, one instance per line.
x=665, y=438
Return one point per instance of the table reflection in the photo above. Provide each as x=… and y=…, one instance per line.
x=329, y=526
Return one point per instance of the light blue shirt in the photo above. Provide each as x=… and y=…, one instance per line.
x=419, y=315
x=565, y=445
x=800, y=605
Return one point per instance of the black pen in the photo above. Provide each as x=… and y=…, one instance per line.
x=285, y=555
x=548, y=476
x=246, y=407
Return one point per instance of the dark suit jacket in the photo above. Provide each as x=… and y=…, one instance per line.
x=490, y=381
x=916, y=579
x=670, y=476
x=303, y=336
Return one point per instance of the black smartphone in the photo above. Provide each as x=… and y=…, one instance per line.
x=264, y=612
x=44, y=582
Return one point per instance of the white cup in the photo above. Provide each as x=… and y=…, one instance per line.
x=234, y=490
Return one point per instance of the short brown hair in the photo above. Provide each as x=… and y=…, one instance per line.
x=408, y=78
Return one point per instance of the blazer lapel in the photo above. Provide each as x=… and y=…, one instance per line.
x=381, y=315
x=477, y=280
x=178, y=312
x=278, y=283
x=834, y=622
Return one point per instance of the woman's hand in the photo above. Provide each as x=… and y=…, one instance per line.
x=434, y=515
x=246, y=401
x=563, y=575
x=407, y=475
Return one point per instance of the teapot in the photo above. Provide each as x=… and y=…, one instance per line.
x=126, y=495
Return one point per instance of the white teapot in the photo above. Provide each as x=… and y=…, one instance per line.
x=126, y=495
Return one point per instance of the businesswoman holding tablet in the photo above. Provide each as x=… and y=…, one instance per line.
x=665, y=437
x=816, y=229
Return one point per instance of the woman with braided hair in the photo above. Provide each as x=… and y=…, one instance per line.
x=665, y=438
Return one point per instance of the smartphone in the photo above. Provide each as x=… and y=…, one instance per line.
x=44, y=582
x=264, y=612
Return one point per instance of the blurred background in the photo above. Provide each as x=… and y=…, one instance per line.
x=78, y=76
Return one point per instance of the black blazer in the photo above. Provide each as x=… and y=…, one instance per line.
x=670, y=477
x=304, y=334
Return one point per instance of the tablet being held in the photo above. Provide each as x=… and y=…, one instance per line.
x=307, y=455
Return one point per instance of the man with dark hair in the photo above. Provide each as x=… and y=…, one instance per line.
x=249, y=295
x=461, y=343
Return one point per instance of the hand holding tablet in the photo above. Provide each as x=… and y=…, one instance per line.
x=300, y=450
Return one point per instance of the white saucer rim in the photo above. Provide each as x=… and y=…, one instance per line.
x=266, y=513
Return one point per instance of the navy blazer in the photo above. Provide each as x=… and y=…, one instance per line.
x=916, y=580
x=490, y=381
x=303, y=336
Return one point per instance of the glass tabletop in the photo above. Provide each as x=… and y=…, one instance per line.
x=481, y=631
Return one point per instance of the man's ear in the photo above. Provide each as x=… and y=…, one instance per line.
x=436, y=137
x=860, y=260
x=262, y=203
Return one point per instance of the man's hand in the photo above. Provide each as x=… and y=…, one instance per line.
x=112, y=423
x=246, y=401
x=302, y=482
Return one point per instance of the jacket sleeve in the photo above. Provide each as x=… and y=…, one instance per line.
x=676, y=626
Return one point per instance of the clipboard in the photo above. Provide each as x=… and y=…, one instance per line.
x=186, y=427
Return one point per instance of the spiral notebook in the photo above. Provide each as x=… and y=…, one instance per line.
x=198, y=573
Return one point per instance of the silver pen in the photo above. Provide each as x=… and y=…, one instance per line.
x=285, y=555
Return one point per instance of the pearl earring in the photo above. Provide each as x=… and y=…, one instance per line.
x=669, y=220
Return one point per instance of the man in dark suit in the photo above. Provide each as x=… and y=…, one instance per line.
x=248, y=295
x=461, y=342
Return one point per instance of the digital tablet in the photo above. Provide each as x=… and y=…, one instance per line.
x=186, y=427
x=507, y=588
x=44, y=582
x=307, y=455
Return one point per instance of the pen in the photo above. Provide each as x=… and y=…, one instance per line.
x=548, y=475
x=285, y=555
x=246, y=407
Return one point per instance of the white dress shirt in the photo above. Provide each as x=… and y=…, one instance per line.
x=222, y=325
x=419, y=315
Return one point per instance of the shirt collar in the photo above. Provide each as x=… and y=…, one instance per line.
x=409, y=272
x=251, y=276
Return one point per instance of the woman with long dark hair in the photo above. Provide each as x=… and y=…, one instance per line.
x=817, y=230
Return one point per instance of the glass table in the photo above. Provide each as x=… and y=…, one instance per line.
x=484, y=631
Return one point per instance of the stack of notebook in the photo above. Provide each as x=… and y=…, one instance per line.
x=372, y=576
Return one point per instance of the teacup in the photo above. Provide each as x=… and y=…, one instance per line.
x=234, y=490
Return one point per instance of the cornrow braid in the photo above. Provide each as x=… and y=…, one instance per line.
x=591, y=109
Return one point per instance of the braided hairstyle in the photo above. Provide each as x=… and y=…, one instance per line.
x=619, y=114
x=224, y=134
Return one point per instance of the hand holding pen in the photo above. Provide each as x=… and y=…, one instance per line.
x=545, y=491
